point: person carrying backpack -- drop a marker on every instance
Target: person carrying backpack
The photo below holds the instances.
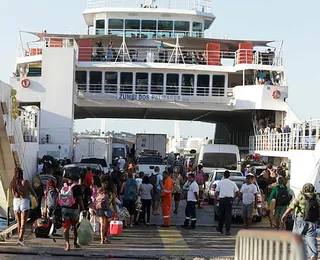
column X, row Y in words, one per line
column 306, row 208
column 156, row 180
column 70, row 200
column 130, row 191
column 282, row 196
column 200, row 180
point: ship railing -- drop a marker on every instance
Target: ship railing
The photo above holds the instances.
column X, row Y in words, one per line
column 172, row 55
column 35, row 48
column 199, row 5
column 29, row 125
column 153, row 92
column 282, row 142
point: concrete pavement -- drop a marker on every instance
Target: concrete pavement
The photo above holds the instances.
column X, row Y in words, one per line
column 139, row 242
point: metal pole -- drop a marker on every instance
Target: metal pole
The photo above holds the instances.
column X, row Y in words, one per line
column 243, row 78
column 8, row 207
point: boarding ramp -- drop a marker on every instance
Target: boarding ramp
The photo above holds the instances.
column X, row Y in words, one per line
column 269, row 245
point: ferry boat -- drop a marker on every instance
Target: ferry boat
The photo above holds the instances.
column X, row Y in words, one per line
column 154, row 62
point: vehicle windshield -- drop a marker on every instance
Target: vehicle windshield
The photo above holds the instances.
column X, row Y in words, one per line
column 240, row 182
column 150, row 160
column 219, row 175
column 102, row 162
column 220, row 160
column 117, row 152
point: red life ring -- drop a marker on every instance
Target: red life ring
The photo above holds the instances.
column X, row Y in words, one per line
column 276, row 94
column 25, row 83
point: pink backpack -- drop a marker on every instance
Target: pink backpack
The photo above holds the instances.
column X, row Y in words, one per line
column 66, row 198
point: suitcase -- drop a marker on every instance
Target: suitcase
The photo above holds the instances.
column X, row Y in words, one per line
column 41, row 227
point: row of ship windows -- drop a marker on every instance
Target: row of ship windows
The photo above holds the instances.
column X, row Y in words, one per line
column 161, row 26
column 160, row 83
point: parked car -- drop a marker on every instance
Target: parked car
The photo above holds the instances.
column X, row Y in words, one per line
column 237, row 207
column 77, row 168
column 212, row 181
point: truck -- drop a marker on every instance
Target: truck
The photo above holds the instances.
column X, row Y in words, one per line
column 147, row 164
column 156, row 142
column 93, row 149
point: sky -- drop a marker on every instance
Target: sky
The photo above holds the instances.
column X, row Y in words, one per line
column 295, row 22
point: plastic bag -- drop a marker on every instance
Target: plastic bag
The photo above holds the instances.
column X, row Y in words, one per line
column 85, row 232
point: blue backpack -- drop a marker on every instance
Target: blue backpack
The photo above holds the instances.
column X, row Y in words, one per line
column 131, row 190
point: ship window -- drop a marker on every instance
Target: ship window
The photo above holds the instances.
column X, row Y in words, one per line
column 218, row 82
column 157, row 83
column 187, row 85
column 197, row 29
column 132, row 28
column 133, row 24
column 203, row 85
column 126, row 82
column 81, row 80
column 95, row 82
column 100, row 27
column 181, row 28
column 116, row 27
column 142, row 83
column 111, row 82
column 116, row 24
column 165, row 28
column 149, row 28
column 172, row 84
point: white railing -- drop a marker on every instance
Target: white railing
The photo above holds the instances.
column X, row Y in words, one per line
column 199, row 5
column 152, row 93
column 302, row 136
column 269, row 245
column 169, row 55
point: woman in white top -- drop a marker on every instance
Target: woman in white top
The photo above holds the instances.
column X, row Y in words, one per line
column 146, row 190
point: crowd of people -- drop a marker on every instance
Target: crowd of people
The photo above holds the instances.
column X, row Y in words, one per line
column 127, row 195
column 132, row 196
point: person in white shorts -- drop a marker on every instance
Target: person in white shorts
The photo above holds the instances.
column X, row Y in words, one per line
column 248, row 195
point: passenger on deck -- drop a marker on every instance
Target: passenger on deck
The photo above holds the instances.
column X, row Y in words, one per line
column 110, row 52
column 161, row 51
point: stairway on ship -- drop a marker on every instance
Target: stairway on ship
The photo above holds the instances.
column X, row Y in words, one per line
column 13, row 149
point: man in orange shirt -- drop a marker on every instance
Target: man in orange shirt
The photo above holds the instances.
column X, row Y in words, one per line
column 166, row 198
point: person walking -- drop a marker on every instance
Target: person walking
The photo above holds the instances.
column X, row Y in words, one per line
column 177, row 182
column 282, row 197
column 156, row 180
column 20, row 189
column 166, row 198
column 200, row 179
column 70, row 200
column 192, row 199
column 248, row 197
column 130, row 191
column 306, row 210
column 225, row 194
column 146, row 190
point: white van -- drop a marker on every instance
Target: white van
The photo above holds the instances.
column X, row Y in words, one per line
column 119, row 149
column 219, row 156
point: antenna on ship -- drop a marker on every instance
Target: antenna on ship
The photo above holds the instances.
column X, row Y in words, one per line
column 149, row 3
column 123, row 49
column 177, row 52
